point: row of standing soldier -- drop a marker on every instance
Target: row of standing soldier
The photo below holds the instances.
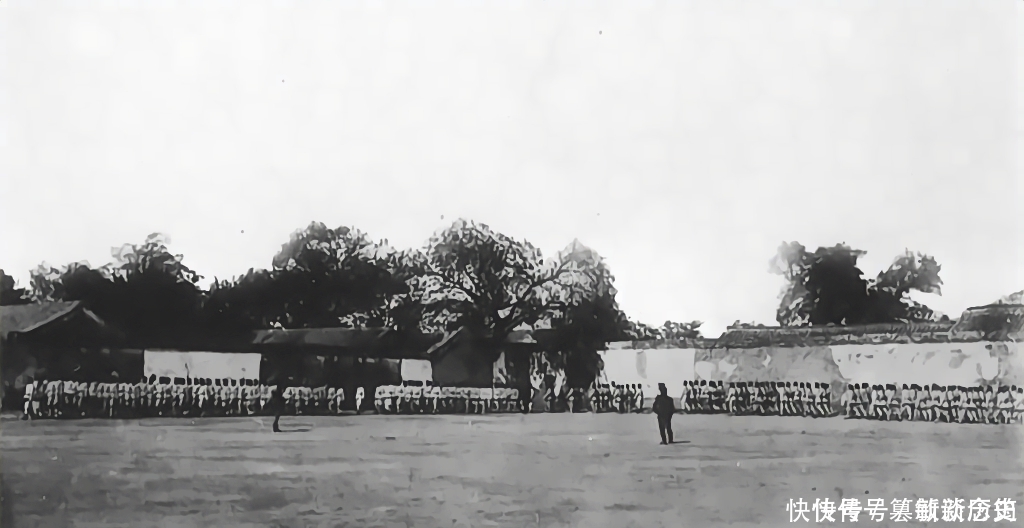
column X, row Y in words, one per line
column 414, row 399
column 935, row 403
column 612, row 397
column 74, row 399
column 71, row 399
column 124, row 400
column 761, row 398
column 432, row 399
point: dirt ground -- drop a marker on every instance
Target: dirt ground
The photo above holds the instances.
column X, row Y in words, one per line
column 507, row 470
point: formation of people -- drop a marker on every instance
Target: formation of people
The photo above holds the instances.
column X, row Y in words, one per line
column 200, row 397
column 432, row 399
column 604, row 398
column 205, row 397
column 760, row 398
column 989, row 404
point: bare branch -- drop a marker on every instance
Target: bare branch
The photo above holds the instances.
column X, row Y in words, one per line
column 434, row 272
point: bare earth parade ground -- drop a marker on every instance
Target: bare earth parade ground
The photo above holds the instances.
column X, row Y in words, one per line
column 501, row 470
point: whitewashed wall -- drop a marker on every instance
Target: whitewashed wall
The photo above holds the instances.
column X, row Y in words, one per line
column 416, row 370
column 213, row 365
column 671, row 366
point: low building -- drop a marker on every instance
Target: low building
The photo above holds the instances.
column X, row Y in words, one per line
column 60, row 340
column 461, row 359
column 341, row 356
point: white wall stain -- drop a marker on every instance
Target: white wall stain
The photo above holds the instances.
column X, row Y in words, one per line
column 921, row 363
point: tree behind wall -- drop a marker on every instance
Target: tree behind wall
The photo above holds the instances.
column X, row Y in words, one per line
column 668, row 330
column 588, row 321
column 147, row 291
column 828, row 287
column 338, row 277
column 10, row 293
column 475, row 278
column 321, row 278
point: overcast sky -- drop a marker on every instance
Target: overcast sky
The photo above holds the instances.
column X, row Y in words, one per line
column 684, row 141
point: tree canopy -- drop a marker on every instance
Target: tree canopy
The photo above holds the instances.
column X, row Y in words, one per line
column 467, row 276
column 827, row 287
column 587, row 321
column 146, row 290
column 321, row 277
column 10, row 293
column 470, row 276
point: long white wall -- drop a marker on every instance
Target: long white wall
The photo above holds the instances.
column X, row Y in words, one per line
column 213, row 365
column 968, row 363
column 671, row 366
column 965, row 364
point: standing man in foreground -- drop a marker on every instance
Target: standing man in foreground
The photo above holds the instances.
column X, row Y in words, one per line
column 664, row 409
column 277, row 403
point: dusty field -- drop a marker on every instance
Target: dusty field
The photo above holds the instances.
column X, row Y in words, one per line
column 515, row 471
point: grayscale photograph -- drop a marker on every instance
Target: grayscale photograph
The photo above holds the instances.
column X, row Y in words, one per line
column 511, row 263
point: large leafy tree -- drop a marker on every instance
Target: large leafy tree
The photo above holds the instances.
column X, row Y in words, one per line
column 587, row 321
column 592, row 317
column 322, row 277
column 412, row 308
column 73, row 282
column 256, row 300
column 338, row 277
column 473, row 277
column 888, row 293
column 10, row 293
column 147, row 291
column 827, row 287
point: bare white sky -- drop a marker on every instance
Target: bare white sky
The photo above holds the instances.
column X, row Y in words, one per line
column 684, row 141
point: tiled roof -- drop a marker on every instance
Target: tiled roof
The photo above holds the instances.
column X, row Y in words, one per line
column 538, row 338
column 977, row 324
column 24, row 318
column 996, row 322
column 648, row 344
column 322, row 337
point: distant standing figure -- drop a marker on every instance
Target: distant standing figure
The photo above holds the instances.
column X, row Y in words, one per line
column 664, row 409
column 277, row 403
column 360, row 394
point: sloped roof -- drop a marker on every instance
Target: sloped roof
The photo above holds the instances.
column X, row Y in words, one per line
column 528, row 338
column 648, row 344
column 25, row 318
column 441, row 346
column 322, row 337
column 761, row 337
column 997, row 322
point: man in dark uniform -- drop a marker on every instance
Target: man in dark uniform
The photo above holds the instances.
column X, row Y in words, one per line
column 664, row 409
column 714, row 397
column 277, row 403
column 742, row 398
